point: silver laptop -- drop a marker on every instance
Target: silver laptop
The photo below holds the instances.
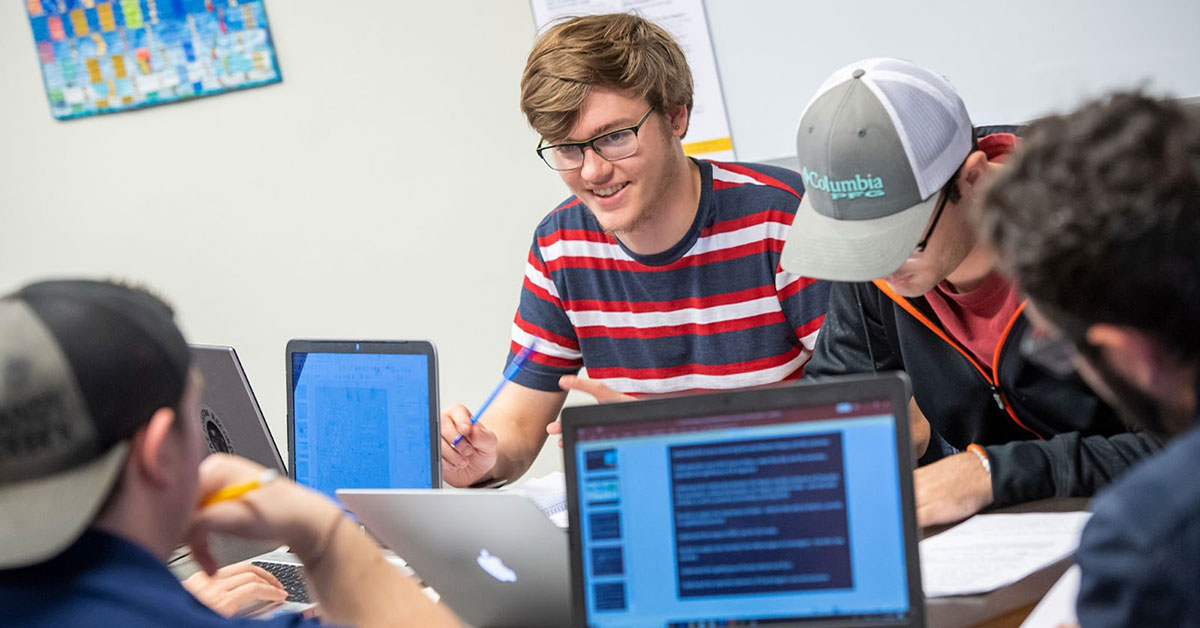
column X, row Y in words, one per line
column 788, row 506
column 493, row 557
column 233, row 423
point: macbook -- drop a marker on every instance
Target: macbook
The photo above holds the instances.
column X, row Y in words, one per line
column 494, row 557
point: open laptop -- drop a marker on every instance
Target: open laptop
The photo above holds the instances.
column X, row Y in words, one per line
column 363, row 414
column 787, row 506
column 233, row 423
column 492, row 556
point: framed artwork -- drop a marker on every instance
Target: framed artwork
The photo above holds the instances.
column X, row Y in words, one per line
column 116, row 55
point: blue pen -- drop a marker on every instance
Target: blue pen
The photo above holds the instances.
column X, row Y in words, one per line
column 510, row 372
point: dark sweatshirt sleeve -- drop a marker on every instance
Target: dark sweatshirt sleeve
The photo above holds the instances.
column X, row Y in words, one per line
column 848, row 341
column 1079, row 466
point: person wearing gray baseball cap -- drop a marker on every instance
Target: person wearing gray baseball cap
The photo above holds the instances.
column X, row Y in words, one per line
column 891, row 163
column 102, row 474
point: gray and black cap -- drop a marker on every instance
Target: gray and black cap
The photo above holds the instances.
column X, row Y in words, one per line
column 83, row 366
column 876, row 144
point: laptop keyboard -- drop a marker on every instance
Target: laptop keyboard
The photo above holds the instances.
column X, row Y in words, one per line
column 291, row 577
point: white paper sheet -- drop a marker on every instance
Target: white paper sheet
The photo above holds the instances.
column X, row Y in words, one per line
column 708, row 131
column 1058, row 607
column 549, row 492
column 987, row 552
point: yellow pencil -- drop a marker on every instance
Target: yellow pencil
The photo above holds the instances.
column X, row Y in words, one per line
column 237, row 490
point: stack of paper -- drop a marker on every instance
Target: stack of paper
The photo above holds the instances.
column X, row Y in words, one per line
column 991, row 551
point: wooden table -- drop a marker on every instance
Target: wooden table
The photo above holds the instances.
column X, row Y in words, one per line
column 1009, row 606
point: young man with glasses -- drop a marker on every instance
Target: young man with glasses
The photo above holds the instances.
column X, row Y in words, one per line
column 660, row 274
column 891, row 163
column 1097, row 219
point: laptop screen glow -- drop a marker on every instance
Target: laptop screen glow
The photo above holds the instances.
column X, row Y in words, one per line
column 743, row 519
column 361, row 420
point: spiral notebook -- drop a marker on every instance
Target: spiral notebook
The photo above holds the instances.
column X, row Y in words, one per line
column 549, row 492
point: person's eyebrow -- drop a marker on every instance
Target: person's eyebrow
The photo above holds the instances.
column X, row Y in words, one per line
column 619, row 123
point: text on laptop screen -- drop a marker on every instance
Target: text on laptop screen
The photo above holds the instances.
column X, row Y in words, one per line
column 759, row 517
column 361, row 420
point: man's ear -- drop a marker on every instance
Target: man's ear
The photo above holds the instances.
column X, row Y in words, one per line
column 974, row 167
column 1129, row 352
column 153, row 448
column 678, row 117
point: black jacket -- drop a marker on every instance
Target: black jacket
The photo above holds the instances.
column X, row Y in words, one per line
column 1044, row 436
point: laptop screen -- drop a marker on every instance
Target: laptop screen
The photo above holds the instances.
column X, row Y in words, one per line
column 738, row 519
column 361, row 420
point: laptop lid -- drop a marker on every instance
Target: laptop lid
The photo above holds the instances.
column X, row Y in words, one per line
column 230, row 416
column 493, row 556
column 787, row 506
column 232, row 422
column 363, row 414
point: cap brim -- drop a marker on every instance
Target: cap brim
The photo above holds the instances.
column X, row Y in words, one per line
column 853, row 250
column 42, row 517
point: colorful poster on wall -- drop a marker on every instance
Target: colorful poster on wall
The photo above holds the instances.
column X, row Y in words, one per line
column 107, row 56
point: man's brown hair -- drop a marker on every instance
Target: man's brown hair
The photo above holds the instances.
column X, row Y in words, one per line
column 616, row 50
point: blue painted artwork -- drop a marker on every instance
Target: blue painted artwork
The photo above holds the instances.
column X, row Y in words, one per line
column 103, row 57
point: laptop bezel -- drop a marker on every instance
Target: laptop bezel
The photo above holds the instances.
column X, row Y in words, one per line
column 892, row 386
column 369, row 347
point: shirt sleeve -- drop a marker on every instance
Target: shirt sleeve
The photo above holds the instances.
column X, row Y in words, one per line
column 1125, row 581
column 804, row 302
column 542, row 317
column 852, row 338
column 1077, row 465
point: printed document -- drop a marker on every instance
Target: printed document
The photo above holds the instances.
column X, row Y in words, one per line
column 988, row 552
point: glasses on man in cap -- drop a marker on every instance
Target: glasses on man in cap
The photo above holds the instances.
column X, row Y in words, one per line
column 611, row 146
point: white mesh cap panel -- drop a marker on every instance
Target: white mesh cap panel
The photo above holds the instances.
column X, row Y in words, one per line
column 929, row 117
column 930, row 131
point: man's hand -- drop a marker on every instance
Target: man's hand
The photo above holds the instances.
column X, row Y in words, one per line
column 277, row 511
column 474, row 456
column 920, row 429
column 602, row 394
column 234, row 586
column 951, row 489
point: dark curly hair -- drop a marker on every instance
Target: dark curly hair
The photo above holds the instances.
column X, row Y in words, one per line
column 1098, row 217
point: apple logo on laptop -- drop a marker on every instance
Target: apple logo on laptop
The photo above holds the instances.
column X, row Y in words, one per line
column 495, row 567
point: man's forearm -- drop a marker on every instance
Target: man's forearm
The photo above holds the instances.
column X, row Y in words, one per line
column 357, row 586
column 513, row 458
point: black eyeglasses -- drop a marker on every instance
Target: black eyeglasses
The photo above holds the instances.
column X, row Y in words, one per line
column 611, row 146
column 936, row 214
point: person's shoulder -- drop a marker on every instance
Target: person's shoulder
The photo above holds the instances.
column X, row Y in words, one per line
column 1156, row 501
column 758, row 179
column 569, row 215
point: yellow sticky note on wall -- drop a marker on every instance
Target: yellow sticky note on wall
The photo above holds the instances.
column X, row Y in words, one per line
column 104, row 12
column 93, row 66
column 79, row 23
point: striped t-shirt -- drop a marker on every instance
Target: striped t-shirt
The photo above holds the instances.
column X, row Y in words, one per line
column 715, row 311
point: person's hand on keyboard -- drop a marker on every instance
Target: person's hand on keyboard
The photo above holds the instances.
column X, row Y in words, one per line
column 235, row 586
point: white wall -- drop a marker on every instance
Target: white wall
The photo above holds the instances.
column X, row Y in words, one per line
column 1011, row 61
column 387, row 188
